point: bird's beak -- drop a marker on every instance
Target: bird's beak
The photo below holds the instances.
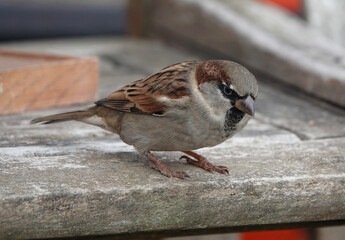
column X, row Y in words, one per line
column 246, row 105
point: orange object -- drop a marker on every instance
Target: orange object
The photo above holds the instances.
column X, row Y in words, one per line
column 33, row 81
column 292, row 5
column 294, row 234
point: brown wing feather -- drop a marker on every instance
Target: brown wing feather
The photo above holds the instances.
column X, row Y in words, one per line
column 142, row 96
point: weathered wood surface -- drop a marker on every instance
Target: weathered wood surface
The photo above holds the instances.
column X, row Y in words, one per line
column 265, row 38
column 70, row 179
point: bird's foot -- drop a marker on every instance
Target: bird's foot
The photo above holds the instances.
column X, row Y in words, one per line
column 156, row 164
column 203, row 163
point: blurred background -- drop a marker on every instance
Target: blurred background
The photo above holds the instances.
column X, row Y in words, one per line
column 314, row 27
column 33, row 19
column 37, row 19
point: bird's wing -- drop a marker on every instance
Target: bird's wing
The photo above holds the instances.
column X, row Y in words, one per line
column 150, row 95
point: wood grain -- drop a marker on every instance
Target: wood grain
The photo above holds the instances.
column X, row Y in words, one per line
column 35, row 81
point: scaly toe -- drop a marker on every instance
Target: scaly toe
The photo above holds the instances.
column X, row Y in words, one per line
column 176, row 174
column 222, row 169
column 180, row 174
column 206, row 165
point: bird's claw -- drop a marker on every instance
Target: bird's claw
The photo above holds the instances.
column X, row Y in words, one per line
column 203, row 163
column 176, row 174
column 179, row 174
column 164, row 170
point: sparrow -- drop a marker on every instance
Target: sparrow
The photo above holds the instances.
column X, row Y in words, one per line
column 183, row 107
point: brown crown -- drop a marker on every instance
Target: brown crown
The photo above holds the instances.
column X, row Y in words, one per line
column 212, row 70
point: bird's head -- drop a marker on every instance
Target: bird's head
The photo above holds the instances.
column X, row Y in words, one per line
column 226, row 84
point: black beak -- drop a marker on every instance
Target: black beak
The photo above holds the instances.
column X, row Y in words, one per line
column 246, row 105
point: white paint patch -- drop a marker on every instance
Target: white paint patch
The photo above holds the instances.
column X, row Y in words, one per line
column 39, row 190
column 27, row 151
column 112, row 146
column 61, row 157
column 73, row 166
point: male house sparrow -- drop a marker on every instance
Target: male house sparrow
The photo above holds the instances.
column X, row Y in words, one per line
column 182, row 107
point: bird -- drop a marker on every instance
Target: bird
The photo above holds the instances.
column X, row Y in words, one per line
column 183, row 107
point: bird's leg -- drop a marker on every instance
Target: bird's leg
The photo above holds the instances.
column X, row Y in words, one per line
column 203, row 163
column 155, row 163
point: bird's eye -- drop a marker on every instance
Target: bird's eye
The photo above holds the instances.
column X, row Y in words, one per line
column 227, row 90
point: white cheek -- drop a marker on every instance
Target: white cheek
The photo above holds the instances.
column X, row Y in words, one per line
column 214, row 97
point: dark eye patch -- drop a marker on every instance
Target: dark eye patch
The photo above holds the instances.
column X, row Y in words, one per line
column 228, row 92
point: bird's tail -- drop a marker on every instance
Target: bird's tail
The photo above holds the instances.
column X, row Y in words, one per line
column 75, row 115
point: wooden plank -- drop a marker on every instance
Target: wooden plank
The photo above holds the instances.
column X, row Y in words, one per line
column 31, row 81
